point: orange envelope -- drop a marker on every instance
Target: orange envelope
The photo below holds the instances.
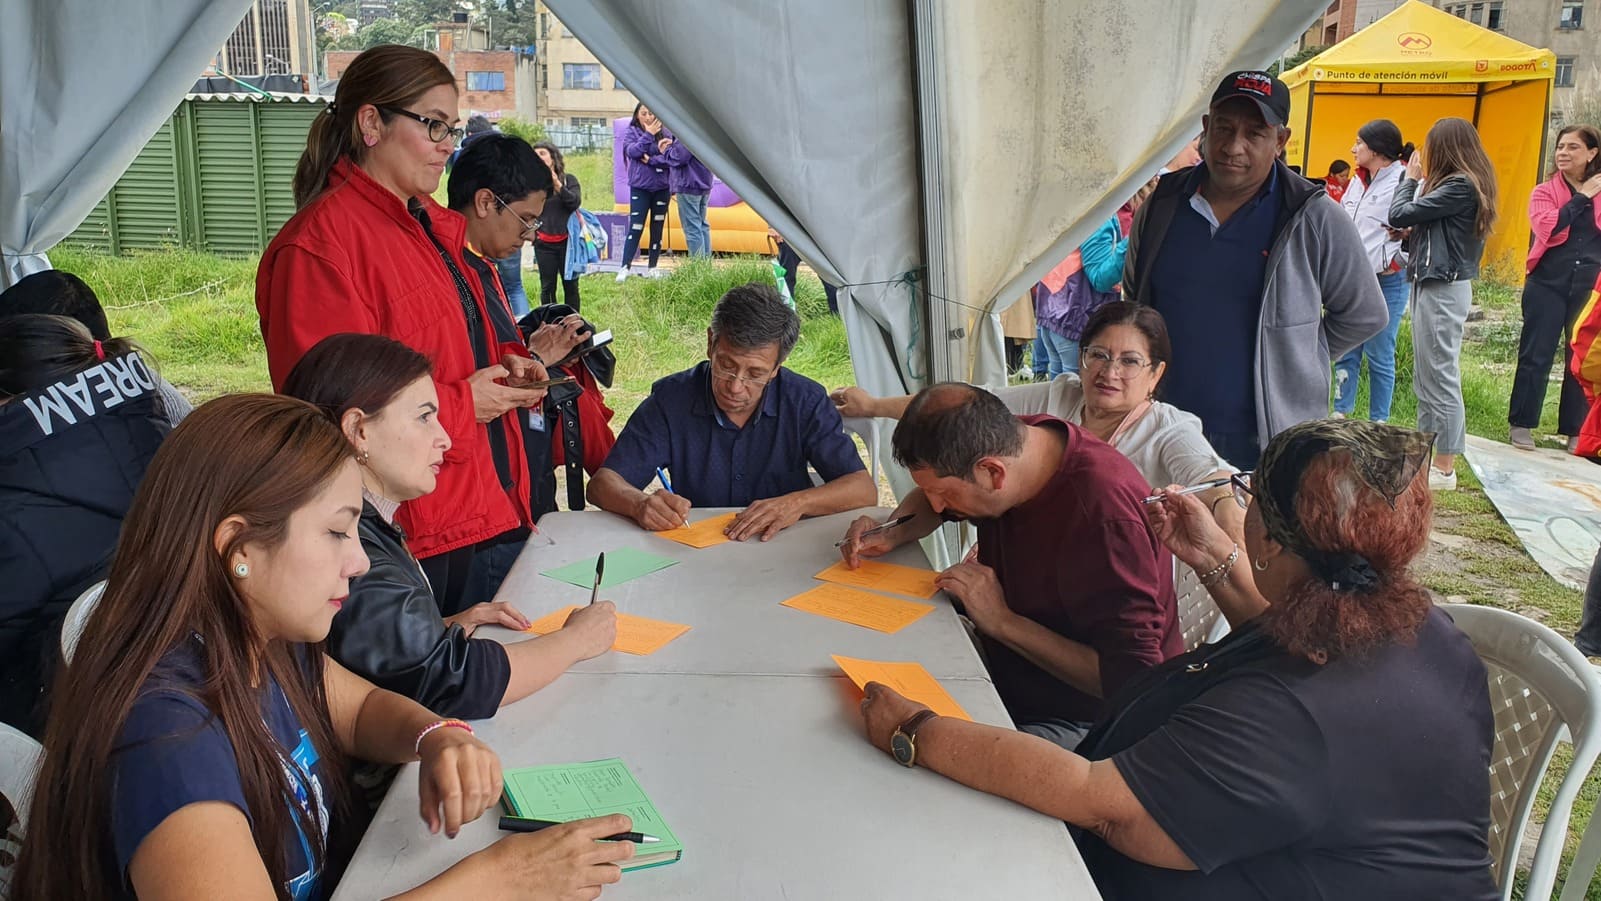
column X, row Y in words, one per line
column 860, row 608
column 891, row 577
column 635, row 634
column 910, row 679
column 701, row 534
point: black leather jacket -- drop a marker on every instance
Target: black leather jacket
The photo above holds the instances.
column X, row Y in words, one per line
column 1444, row 244
column 390, row 631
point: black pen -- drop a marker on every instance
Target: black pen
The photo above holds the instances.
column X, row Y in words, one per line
column 600, row 568
column 898, row 521
column 523, row 824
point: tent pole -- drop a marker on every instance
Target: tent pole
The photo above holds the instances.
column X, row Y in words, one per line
column 926, row 105
column 1306, row 131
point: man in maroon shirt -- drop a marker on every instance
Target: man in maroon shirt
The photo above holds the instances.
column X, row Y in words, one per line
column 1071, row 593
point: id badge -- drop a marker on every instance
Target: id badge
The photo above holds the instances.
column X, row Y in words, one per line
column 536, row 420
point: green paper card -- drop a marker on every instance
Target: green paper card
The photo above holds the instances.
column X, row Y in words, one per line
column 574, row 791
column 623, row 564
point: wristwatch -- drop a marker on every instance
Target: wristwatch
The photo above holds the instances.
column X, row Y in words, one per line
column 903, row 744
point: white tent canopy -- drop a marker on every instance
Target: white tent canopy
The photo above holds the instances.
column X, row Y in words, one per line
column 83, row 85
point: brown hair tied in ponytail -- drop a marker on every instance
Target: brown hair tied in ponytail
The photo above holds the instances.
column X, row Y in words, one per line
column 385, row 75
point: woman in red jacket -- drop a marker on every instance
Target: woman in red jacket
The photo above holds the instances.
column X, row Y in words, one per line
column 371, row 252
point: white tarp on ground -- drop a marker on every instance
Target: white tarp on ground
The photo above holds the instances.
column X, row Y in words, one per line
column 83, row 85
column 1551, row 499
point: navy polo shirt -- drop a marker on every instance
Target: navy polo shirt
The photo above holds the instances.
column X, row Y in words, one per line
column 680, row 429
column 1209, row 289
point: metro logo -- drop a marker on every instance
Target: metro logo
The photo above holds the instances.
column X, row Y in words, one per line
column 1414, row 40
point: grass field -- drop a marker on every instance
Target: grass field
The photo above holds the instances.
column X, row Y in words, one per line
column 195, row 314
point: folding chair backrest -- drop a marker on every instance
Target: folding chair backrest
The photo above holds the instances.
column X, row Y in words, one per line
column 77, row 616
column 20, row 757
column 1539, row 684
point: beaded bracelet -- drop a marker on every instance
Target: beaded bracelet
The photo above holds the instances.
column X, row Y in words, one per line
column 439, row 724
column 1217, row 573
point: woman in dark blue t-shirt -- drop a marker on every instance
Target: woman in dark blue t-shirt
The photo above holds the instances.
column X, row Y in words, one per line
column 196, row 745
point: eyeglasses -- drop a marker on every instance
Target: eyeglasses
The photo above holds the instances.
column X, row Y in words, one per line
column 1241, row 483
column 730, row 374
column 529, row 228
column 437, row 130
column 1125, row 365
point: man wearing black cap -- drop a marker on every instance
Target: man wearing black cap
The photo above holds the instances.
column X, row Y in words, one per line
column 1261, row 277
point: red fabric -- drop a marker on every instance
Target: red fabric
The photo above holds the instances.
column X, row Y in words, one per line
column 1545, row 202
column 593, row 423
column 1586, row 367
column 1079, row 559
column 354, row 260
column 1335, row 187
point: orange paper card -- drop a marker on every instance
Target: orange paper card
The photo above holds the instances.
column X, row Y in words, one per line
column 891, row 577
column 910, row 679
column 701, row 534
column 859, row 608
column 635, row 634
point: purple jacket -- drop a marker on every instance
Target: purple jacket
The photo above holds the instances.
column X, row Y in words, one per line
column 647, row 169
column 686, row 174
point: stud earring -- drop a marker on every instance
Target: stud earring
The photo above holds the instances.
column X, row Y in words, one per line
column 241, row 570
column 366, row 455
column 369, row 140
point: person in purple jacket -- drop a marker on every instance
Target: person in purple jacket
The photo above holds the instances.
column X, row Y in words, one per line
column 644, row 147
column 689, row 178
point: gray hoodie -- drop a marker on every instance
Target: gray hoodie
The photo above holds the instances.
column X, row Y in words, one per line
column 1320, row 298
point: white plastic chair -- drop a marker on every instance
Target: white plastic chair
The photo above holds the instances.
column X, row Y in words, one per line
column 77, row 616
column 1539, row 685
column 1200, row 620
column 20, row 757
column 867, row 428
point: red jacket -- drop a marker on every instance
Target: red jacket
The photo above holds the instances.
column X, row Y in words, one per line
column 355, row 260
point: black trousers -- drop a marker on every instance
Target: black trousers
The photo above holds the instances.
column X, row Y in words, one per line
column 447, row 573
column 1588, row 638
column 1551, row 302
column 552, row 261
column 643, row 205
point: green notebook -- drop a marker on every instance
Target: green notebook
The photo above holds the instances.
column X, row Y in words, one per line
column 622, row 564
column 574, row 791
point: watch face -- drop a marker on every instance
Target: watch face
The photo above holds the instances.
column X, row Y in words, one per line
column 902, row 748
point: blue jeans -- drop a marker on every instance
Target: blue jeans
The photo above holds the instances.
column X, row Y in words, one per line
column 511, row 279
column 1060, row 350
column 1380, row 351
column 692, row 215
column 1039, row 359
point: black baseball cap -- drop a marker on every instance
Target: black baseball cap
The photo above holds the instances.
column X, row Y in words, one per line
column 1268, row 93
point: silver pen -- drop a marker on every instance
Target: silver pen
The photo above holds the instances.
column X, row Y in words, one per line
column 1193, row 489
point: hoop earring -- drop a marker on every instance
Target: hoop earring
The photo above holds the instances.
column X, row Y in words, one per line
column 240, row 570
column 1261, row 565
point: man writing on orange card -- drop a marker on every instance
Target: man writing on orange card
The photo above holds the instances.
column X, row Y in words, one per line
column 1071, row 594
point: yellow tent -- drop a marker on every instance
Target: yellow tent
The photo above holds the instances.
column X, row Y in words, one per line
column 1418, row 65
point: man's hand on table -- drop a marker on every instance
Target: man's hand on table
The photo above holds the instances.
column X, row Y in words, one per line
column 976, row 586
column 766, row 518
column 489, row 613
column 662, row 510
column 856, row 547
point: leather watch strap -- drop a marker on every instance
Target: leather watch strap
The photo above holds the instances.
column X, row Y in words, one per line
column 915, row 722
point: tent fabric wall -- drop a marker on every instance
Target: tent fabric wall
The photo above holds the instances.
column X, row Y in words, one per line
column 1512, row 122
column 68, row 128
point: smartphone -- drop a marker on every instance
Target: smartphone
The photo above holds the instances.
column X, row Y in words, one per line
column 598, row 340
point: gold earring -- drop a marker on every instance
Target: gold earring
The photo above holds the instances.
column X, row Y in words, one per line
column 365, row 456
column 1261, row 565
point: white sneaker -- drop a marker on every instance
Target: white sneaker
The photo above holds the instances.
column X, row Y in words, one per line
column 1441, row 481
column 622, row 275
column 653, row 272
column 1336, row 415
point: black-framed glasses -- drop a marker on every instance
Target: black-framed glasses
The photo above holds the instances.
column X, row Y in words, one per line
column 1241, row 483
column 438, row 130
column 529, row 228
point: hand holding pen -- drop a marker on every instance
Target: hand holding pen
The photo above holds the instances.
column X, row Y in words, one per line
column 867, row 537
column 662, row 510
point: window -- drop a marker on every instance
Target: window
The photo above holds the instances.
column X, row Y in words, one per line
column 486, row 81
column 1476, row 14
column 1460, row 10
column 1564, row 73
column 1572, row 14
column 580, row 76
column 617, row 84
column 1493, row 22
column 587, row 122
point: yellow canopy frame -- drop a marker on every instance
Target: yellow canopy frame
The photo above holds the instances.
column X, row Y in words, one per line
column 1416, row 66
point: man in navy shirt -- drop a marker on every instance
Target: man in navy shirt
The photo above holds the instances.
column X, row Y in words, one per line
column 737, row 430
column 1261, row 277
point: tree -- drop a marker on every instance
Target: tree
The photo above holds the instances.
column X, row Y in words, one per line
column 384, row 31
column 1295, row 59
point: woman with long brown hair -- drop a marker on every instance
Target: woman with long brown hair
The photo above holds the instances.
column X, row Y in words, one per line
column 1450, row 218
column 1282, row 762
column 1562, row 267
column 196, row 744
column 371, row 252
